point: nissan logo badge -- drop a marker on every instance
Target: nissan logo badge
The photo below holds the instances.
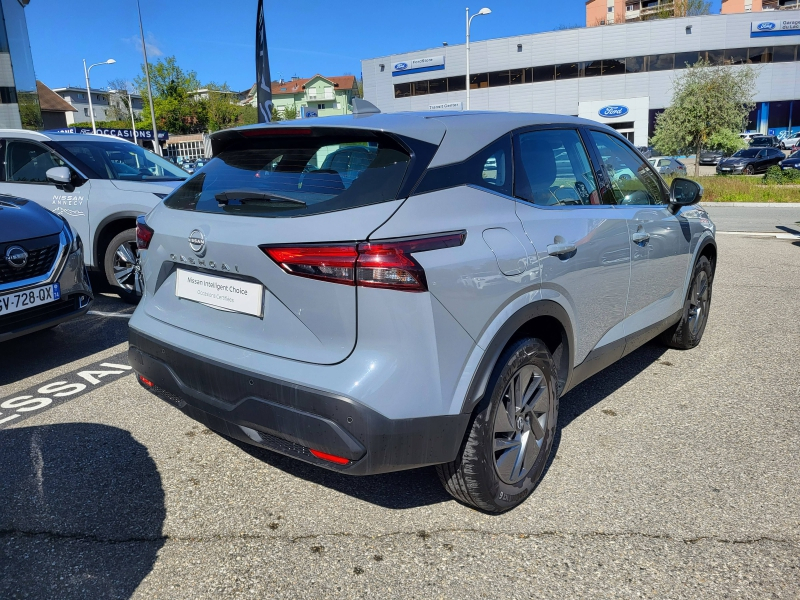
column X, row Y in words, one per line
column 197, row 241
column 16, row 257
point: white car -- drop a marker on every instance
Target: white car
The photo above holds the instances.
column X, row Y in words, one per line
column 668, row 166
column 98, row 183
column 789, row 142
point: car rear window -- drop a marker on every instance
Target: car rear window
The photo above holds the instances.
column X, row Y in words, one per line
column 287, row 174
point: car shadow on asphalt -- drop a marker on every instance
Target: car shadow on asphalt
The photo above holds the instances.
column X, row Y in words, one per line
column 44, row 350
column 421, row 487
column 82, row 512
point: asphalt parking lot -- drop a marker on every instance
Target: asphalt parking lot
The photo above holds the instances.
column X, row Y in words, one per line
column 677, row 475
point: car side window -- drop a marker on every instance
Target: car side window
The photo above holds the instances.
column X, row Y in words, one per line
column 553, row 169
column 632, row 180
column 27, row 162
column 489, row 168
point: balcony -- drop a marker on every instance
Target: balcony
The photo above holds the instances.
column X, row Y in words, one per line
column 655, row 9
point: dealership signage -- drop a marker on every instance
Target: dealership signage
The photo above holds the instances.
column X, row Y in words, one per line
column 418, row 65
column 141, row 134
column 778, row 27
column 613, row 111
column 447, row 106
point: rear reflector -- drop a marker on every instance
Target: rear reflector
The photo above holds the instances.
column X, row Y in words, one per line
column 145, row 381
column 329, row 457
column 143, row 233
column 383, row 264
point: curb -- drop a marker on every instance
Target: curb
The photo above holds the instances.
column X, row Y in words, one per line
column 707, row 205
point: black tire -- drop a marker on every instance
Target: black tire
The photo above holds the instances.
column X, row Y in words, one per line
column 749, row 170
column 126, row 287
column 474, row 477
column 688, row 332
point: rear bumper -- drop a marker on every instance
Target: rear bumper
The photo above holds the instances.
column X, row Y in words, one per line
column 290, row 418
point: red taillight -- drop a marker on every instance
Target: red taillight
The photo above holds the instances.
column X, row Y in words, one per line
column 384, row 264
column 328, row 263
column 329, row 457
column 143, row 234
column 146, row 381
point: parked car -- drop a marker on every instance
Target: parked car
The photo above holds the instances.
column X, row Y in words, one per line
column 788, row 143
column 765, row 141
column 668, row 167
column 188, row 167
column 747, row 137
column 791, row 162
column 750, row 161
column 647, row 151
column 43, row 281
column 100, row 184
column 401, row 321
column 711, row 157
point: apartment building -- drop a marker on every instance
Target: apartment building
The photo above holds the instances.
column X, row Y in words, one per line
column 105, row 104
column 317, row 96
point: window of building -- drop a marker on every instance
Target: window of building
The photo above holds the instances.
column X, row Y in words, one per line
column 437, row 86
column 611, row 9
column 478, row 80
column 402, row 90
column 568, row 70
column 498, row 78
column 85, row 112
column 420, row 88
column 636, row 64
column 552, row 169
column 81, row 96
column 686, row 59
column 759, row 55
column 593, row 68
column 783, row 53
column 312, row 93
column 320, row 106
column 661, row 62
column 516, row 76
column 457, row 84
column 716, row 57
column 547, row 73
column 614, row 66
column 735, row 56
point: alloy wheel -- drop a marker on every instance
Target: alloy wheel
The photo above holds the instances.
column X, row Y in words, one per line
column 126, row 266
column 698, row 302
column 520, row 423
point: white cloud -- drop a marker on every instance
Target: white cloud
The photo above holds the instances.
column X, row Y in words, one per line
column 151, row 44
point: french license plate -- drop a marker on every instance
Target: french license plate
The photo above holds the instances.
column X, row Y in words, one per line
column 724, row 169
column 16, row 301
column 220, row 292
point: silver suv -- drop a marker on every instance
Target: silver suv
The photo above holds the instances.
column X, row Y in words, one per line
column 426, row 306
column 98, row 183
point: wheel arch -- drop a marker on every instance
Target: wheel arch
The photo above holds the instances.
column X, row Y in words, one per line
column 107, row 229
column 708, row 248
column 544, row 319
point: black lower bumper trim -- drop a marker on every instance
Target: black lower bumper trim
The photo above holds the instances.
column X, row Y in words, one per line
column 292, row 419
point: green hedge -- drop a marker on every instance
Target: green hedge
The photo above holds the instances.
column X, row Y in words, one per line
column 777, row 176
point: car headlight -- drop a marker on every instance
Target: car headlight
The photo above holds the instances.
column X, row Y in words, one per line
column 73, row 239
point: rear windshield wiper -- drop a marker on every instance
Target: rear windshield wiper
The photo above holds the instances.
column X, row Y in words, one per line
column 245, row 196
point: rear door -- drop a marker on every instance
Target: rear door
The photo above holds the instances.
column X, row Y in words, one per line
column 270, row 192
column 582, row 243
column 25, row 176
column 659, row 239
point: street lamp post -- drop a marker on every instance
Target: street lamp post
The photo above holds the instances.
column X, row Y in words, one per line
column 483, row 11
column 110, row 61
column 156, row 145
column 133, row 118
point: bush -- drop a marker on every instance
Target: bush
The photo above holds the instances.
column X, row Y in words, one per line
column 777, row 176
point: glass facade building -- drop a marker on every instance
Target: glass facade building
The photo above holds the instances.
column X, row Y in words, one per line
column 19, row 101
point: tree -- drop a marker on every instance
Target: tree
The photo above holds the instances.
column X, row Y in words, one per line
column 119, row 102
column 726, row 140
column 177, row 106
column 276, row 116
column 692, row 8
column 290, row 112
column 247, row 116
column 220, row 106
column 706, row 100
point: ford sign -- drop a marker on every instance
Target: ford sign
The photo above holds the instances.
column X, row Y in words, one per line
column 766, row 26
column 612, row 111
column 401, row 66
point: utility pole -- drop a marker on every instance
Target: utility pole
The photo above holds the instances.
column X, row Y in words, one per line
column 156, row 145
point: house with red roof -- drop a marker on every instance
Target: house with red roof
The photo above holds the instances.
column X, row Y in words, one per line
column 317, row 96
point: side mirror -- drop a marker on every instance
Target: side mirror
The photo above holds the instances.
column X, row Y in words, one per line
column 684, row 192
column 61, row 177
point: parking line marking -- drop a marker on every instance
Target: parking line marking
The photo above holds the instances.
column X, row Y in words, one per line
column 100, row 313
column 779, row 235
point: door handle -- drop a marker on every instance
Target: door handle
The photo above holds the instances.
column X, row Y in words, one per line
column 640, row 237
column 559, row 249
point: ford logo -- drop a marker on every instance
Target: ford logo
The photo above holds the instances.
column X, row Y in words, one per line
column 768, row 26
column 614, row 110
column 401, row 66
column 16, row 257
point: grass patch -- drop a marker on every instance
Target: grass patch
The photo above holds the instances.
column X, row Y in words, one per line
column 739, row 188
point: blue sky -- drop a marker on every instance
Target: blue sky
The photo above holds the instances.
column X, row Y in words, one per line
column 217, row 39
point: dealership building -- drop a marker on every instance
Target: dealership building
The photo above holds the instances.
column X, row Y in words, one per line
column 620, row 75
